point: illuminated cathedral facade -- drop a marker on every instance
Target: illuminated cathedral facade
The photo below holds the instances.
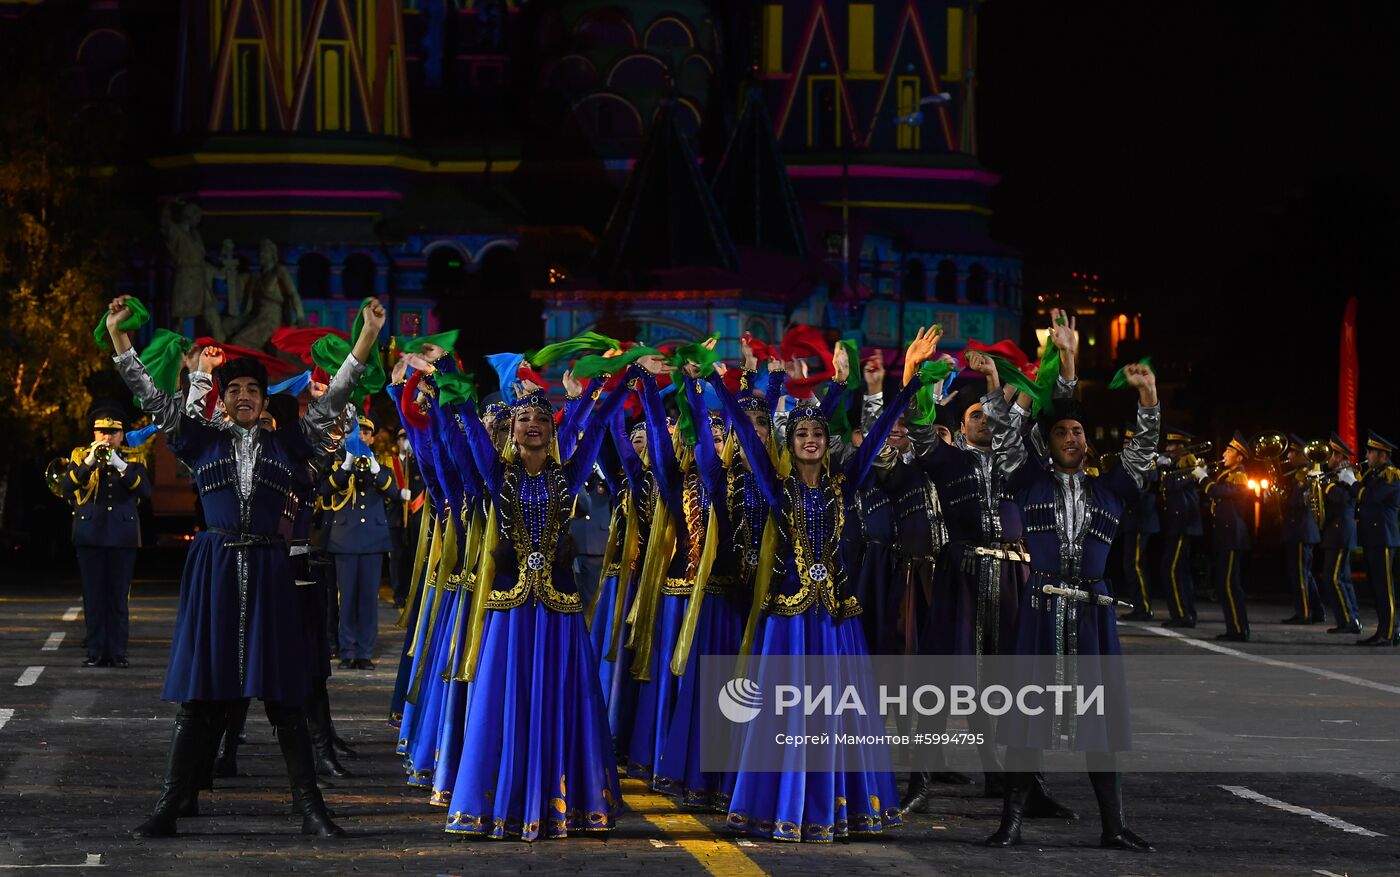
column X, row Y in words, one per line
column 658, row 169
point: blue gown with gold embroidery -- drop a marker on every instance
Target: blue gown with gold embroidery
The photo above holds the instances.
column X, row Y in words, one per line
column 811, row 611
column 536, row 756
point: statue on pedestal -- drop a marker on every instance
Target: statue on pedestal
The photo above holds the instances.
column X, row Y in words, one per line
column 191, row 293
column 267, row 301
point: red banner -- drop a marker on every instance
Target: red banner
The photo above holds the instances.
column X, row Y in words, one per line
column 1348, row 377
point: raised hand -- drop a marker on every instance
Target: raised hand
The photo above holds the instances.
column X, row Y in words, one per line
column 374, row 317
column 400, row 371
column 1063, row 333
column 750, row 360
column 1141, row 378
column 210, row 358
column 418, row 363
column 117, row 311
column 840, row 364
column 874, row 372
column 572, row 388
column 775, row 364
column 981, row 363
column 654, row 364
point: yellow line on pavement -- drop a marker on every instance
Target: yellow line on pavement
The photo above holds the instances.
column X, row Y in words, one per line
column 719, row 856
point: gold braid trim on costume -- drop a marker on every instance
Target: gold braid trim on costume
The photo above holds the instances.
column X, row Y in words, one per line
column 631, row 541
column 426, row 525
column 485, row 575
column 85, row 492
column 471, row 554
column 697, row 594
column 660, row 549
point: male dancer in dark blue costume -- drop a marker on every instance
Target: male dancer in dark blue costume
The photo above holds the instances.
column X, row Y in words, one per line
column 240, row 630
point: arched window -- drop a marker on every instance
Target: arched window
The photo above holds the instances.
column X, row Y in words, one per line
column 913, row 281
column 357, row 278
column 945, row 285
column 977, row 285
column 447, row 273
column 314, row 276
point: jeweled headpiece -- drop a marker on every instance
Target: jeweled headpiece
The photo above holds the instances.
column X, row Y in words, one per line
column 535, row 400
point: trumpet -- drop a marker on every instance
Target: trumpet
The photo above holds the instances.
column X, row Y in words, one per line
column 102, row 454
column 54, row 474
column 361, row 465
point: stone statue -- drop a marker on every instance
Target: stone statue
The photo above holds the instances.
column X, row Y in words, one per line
column 271, row 301
column 191, row 293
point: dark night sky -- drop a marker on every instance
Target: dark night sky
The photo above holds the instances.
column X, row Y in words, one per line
column 1231, row 166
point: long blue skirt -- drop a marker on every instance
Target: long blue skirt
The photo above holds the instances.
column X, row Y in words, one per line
column 718, row 631
column 420, row 762
column 207, row 639
column 536, row 758
column 619, row 688
column 656, row 699
column 815, row 806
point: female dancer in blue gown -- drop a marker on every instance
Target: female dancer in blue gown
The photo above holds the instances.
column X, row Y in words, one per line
column 536, row 757
column 809, row 611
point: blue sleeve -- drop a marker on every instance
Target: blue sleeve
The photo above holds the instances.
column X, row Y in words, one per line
column 489, row 464
column 858, row 466
column 835, row 396
column 777, row 383
column 707, row 462
column 580, row 463
column 575, row 412
column 664, row 467
column 627, row 455
column 754, row 449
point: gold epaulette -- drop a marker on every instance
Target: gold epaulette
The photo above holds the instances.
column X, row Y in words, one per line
column 1390, row 474
column 1236, row 477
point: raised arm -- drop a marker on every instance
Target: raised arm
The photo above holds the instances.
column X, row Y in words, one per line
column 578, row 402
column 755, row 451
column 323, row 412
column 1139, row 458
column 707, row 462
column 857, row 468
column 660, row 449
column 580, row 463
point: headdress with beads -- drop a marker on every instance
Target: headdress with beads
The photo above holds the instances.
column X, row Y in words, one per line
column 536, row 400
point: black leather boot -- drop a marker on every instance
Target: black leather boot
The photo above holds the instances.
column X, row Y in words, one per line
column 231, row 730
column 1042, row 805
column 1108, row 789
column 916, row 798
column 1013, row 811
column 295, row 742
column 183, row 765
column 318, row 723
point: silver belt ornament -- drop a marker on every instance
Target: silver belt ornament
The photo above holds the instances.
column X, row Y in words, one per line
column 535, row 560
column 817, row 572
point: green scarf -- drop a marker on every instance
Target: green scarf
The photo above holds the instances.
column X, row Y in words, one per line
column 703, row 357
column 454, row 387
column 1120, row 380
column 330, row 351
column 931, row 374
column 592, row 366
column 163, row 357
column 564, row 349
column 139, row 317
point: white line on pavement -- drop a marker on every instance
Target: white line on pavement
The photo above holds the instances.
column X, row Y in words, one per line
column 1330, row 821
column 52, row 643
column 72, row 613
column 94, row 860
column 1326, row 873
column 28, row 677
column 5, row 716
column 1272, row 662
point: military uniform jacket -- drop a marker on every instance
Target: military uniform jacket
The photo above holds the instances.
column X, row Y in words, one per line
column 1141, row 514
column 1232, row 507
column 1181, row 504
column 1378, row 507
column 359, row 524
column 1339, row 516
column 104, row 502
column 1299, row 524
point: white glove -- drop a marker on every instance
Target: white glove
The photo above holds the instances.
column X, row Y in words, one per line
column 1163, row 460
column 349, row 462
column 405, row 494
column 89, row 460
column 373, row 466
column 1199, row 473
column 118, row 463
column 1347, row 477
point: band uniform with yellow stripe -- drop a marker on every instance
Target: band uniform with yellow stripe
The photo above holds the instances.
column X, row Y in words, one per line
column 103, row 489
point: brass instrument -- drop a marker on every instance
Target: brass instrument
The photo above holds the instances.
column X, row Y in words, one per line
column 1108, row 462
column 1269, row 448
column 102, row 454
column 361, row 465
column 54, row 473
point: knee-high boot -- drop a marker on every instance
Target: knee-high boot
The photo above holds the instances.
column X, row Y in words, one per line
column 232, row 733
column 183, row 768
column 295, row 742
column 1013, row 810
column 1108, row 789
column 318, row 722
column 1044, row 806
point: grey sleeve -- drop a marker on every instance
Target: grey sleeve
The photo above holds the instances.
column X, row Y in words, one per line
column 1140, row 455
column 1008, row 447
column 870, row 410
column 163, row 408
column 201, row 385
column 323, row 413
column 1064, row 388
column 924, row 438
